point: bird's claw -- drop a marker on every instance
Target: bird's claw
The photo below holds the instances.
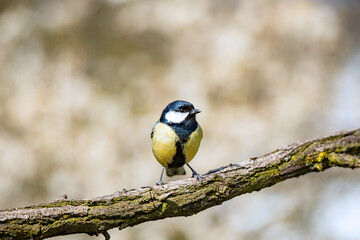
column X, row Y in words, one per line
column 159, row 183
column 198, row 176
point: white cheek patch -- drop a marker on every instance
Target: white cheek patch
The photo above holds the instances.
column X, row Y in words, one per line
column 176, row 117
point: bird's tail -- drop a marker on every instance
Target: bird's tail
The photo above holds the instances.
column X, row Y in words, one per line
column 175, row 171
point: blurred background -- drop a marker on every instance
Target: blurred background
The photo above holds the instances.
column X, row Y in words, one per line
column 83, row 82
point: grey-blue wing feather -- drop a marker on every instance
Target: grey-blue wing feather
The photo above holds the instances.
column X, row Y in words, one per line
column 152, row 130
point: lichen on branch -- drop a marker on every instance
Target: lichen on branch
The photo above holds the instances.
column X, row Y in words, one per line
column 179, row 198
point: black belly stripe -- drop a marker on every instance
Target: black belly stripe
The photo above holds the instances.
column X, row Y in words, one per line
column 179, row 158
column 183, row 130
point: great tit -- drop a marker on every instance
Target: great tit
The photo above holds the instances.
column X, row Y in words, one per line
column 176, row 138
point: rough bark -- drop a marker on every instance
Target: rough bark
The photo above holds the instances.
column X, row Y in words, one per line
column 179, row 198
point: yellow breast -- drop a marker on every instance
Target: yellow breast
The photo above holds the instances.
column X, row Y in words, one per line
column 164, row 143
column 192, row 145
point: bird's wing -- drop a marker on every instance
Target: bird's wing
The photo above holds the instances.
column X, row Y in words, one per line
column 152, row 130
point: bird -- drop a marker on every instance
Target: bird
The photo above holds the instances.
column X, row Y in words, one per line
column 176, row 138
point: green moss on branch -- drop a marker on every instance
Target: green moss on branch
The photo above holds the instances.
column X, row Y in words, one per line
column 179, row 198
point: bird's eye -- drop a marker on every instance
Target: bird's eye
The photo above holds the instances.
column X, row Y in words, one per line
column 181, row 110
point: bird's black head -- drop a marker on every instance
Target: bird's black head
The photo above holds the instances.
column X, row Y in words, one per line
column 178, row 112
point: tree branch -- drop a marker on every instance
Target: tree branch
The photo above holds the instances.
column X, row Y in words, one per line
column 179, row 198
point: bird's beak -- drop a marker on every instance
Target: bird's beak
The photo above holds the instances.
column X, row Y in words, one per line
column 195, row 111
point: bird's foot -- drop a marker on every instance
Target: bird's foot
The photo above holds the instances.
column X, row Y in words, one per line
column 198, row 176
column 195, row 174
column 160, row 182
